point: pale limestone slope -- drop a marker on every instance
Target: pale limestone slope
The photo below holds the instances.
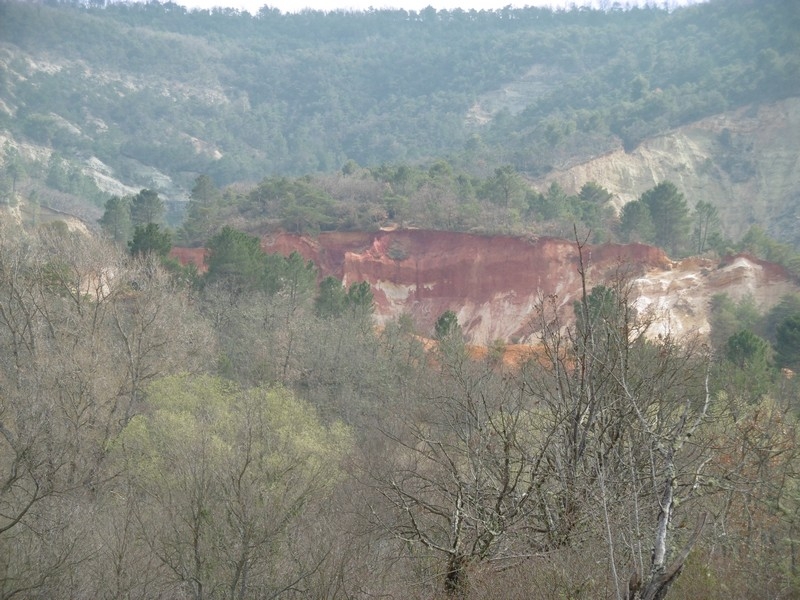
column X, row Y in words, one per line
column 751, row 173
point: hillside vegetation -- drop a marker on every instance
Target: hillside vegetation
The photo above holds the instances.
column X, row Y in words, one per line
column 250, row 433
column 94, row 99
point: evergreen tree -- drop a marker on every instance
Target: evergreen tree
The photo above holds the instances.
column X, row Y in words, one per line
column 747, row 371
column 57, row 173
column 201, row 211
column 787, row 343
column 146, row 207
column 506, row 188
column 601, row 307
column 150, row 239
column 747, row 350
column 298, row 279
column 332, row 298
column 360, row 299
column 706, row 226
column 447, row 326
column 636, row 223
column 14, row 168
column 789, row 305
column 670, row 216
column 116, row 220
column 236, row 257
column 594, row 193
column 552, row 205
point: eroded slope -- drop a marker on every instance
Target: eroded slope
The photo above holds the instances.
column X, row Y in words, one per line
column 495, row 283
column 745, row 162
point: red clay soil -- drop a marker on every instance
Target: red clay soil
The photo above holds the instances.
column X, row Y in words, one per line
column 190, row 256
column 494, row 283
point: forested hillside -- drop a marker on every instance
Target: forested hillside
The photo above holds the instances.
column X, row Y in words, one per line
column 152, row 95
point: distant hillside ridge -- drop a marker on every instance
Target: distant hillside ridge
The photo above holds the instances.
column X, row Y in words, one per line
column 107, row 99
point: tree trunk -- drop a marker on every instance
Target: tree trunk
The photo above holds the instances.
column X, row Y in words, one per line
column 455, row 581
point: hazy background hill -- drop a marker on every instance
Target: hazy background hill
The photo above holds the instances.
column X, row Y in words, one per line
column 98, row 100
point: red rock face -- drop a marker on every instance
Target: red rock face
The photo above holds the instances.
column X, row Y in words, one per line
column 190, row 256
column 495, row 283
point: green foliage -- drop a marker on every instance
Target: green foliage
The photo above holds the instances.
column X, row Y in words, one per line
column 757, row 242
column 146, row 207
column 660, row 217
column 593, row 193
column 788, row 306
column 68, row 178
column 297, row 278
column 332, row 298
column 360, row 301
column 747, row 340
column 297, row 204
column 305, row 208
column 116, row 220
column 57, row 173
column 552, row 205
column 385, row 93
column 636, row 223
column 202, row 211
column 592, row 208
column 600, row 311
column 195, row 485
column 237, row 258
column 307, row 92
column 746, row 373
column 787, row 342
column 506, row 188
column 224, row 475
column 13, row 170
column 186, row 411
column 149, row 239
column 670, row 216
column 746, row 350
column 706, row 233
column 447, row 326
column 727, row 317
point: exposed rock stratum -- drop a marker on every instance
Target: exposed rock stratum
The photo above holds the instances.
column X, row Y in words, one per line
column 744, row 162
column 494, row 284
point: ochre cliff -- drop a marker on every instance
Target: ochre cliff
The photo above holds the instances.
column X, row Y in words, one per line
column 494, row 283
column 193, row 256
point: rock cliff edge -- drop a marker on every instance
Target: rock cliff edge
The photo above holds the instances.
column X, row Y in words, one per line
column 494, row 283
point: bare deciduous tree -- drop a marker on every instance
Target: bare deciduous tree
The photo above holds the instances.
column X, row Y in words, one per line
column 592, row 441
column 627, row 408
column 464, row 467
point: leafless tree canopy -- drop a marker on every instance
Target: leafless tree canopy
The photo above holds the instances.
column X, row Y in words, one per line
column 159, row 440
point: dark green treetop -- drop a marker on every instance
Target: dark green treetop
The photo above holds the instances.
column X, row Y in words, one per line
column 149, row 239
